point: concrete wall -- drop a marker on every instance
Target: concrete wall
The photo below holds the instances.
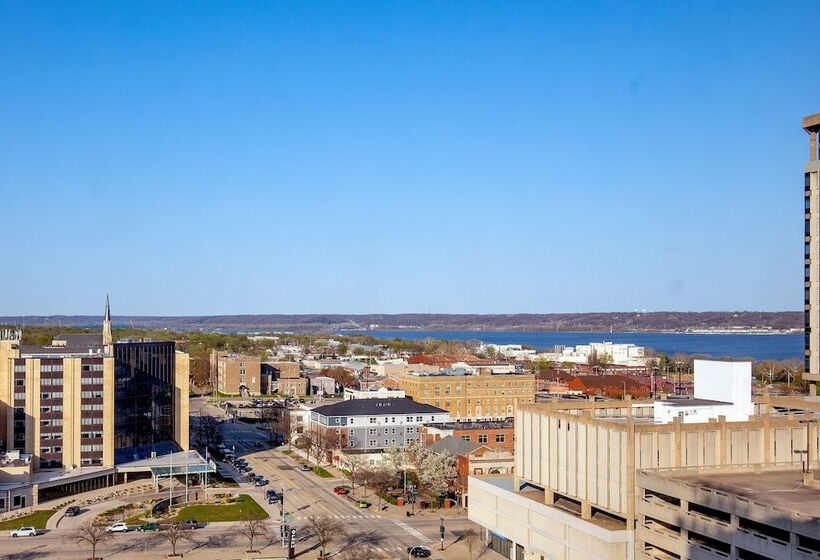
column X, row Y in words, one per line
column 728, row 382
column 543, row 530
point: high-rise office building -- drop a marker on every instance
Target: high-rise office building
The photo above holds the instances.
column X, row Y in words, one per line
column 85, row 400
column 811, row 125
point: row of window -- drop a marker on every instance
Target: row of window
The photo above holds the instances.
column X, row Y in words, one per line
column 92, row 407
column 51, row 367
column 46, row 396
column 92, row 367
column 91, row 435
column 54, row 422
column 49, row 381
column 91, row 380
column 55, row 449
column 482, row 438
column 19, row 396
column 92, row 394
column 53, row 408
column 51, row 435
column 88, row 448
column 91, row 421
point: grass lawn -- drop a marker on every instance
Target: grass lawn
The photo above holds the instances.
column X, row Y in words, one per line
column 37, row 520
column 322, row 472
column 287, row 452
column 243, row 507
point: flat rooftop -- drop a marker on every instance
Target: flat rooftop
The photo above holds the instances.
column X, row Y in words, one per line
column 783, row 490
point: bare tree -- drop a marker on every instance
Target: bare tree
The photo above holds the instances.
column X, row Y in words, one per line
column 359, row 551
column 270, row 416
column 382, row 479
column 91, row 534
column 208, row 430
column 355, row 466
column 175, row 534
column 305, row 443
column 325, row 530
column 253, row 529
column 472, row 540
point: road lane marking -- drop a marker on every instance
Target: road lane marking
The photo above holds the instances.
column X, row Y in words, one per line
column 413, row 531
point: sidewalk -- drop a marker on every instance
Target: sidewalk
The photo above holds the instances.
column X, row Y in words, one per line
column 388, row 510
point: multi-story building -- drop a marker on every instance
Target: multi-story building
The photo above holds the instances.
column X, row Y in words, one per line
column 238, row 374
column 292, row 387
column 477, row 396
column 575, row 492
column 371, row 425
column 811, row 193
column 374, row 393
column 85, row 400
column 473, row 459
column 495, row 434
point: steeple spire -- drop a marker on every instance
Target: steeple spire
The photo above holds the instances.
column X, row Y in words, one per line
column 108, row 338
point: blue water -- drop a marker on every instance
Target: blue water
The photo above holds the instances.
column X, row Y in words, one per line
column 758, row 347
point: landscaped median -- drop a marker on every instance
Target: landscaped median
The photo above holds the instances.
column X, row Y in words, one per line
column 37, row 519
column 322, row 472
column 232, row 508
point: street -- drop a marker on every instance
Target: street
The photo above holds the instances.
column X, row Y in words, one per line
column 389, row 531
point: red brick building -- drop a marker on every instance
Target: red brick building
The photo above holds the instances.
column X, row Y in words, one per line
column 610, row 386
column 493, row 434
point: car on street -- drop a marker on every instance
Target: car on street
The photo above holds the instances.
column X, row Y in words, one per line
column 260, row 482
column 272, row 496
column 73, row 511
column 305, row 468
column 243, row 469
column 342, row 490
column 191, row 524
column 419, row 551
column 118, row 527
column 148, row 526
column 361, row 504
column 24, row 532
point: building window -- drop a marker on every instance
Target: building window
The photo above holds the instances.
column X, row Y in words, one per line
column 499, row 438
column 19, row 382
column 482, row 438
column 465, row 438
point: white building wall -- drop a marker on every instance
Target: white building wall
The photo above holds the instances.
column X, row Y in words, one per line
column 726, row 381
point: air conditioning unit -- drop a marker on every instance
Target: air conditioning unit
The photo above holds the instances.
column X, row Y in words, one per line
column 153, row 454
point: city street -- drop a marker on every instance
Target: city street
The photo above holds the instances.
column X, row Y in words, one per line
column 389, row 531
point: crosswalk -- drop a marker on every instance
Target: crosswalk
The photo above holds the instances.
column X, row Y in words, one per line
column 413, row 531
column 359, row 516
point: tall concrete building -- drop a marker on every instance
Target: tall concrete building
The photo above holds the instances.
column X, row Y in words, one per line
column 811, row 125
column 84, row 400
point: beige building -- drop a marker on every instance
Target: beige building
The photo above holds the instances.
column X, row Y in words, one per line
column 482, row 396
column 576, row 493
column 292, row 387
column 811, row 125
column 238, row 374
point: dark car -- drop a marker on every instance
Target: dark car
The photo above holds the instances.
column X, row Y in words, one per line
column 148, row 526
column 419, row 551
column 305, row 468
column 260, row 482
column 73, row 511
column 257, row 443
column 191, row 524
column 272, row 496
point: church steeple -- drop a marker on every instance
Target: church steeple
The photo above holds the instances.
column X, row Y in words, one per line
column 108, row 338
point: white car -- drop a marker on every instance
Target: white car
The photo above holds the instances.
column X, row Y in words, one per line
column 24, row 532
column 118, row 527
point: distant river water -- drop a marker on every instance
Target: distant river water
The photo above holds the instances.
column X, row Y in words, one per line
column 758, row 347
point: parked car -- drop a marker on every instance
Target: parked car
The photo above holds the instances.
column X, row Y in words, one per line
column 191, row 524
column 118, row 527
column 243, row 469
column 148, row 526
column 342, row 490
column 260, row 482
column 251, row 476
column 305, row 468
column 24, row 532
column 257, row 443
column 361, row 504
column 73, row 511
column 419, row 551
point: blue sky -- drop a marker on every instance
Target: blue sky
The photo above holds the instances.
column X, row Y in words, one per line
column 488, row 157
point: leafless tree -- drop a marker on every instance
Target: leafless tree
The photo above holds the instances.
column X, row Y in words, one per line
column 382, row 479
column 305, row 443
column 253, row 529
column 472, row 540
column 355, row 466
column 175, row 534
column 270, row 416
column 359, row 551
column 325, row 530
column 91, row 534
column 208, row 430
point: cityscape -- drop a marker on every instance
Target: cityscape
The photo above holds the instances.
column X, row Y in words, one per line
column 310, row 364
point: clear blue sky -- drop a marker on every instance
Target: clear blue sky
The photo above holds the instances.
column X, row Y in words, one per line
column 204, row 158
